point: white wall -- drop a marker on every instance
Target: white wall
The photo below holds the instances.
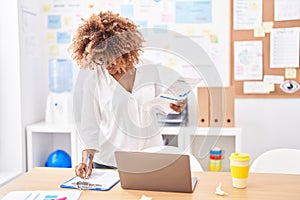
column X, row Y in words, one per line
column 22, row 82
column 267, row 124
column 11, row 143
column 34, row 68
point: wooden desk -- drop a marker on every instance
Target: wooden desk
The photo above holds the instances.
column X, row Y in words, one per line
column 260, row 186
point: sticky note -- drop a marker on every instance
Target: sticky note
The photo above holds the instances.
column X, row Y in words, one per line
column 259, row 32
column 270, row 87
column 67, row 21
column 53, row 50
column 63, row 38
column 54, row 21
column 290, row 73
column 46, row 8
column 268, row 26
column 50, row 37
column 189, row 30
column 213, row 39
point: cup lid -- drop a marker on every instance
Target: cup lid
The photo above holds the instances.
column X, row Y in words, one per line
column 239, row 156
column 216, row 151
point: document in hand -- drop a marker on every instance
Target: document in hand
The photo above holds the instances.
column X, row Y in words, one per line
column 180, row 89
column 100, row 180
column 177, row 92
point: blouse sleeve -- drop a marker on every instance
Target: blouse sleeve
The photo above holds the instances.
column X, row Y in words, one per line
column 90, row 114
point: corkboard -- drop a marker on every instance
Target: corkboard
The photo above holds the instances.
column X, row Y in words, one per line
column 248, row 35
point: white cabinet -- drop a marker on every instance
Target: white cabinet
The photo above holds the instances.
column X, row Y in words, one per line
column 43, row 139
column 199, row 141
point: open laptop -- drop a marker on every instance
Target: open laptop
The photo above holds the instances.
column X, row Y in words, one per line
column 155, row 171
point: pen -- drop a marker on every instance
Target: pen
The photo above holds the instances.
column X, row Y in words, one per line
column 170, row 98
column 87, row 164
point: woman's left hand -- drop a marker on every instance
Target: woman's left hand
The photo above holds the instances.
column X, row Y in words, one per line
column 178, row 106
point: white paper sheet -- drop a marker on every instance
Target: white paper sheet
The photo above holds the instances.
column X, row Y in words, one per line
column 248, row 60
column 256, row 87
column 106, row 179
column 284, row 47
column 286, row 10
column 43, row 195
column 273, row 79
column 247, row 14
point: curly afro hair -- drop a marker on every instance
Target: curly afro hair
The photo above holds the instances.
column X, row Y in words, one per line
column 106, row 39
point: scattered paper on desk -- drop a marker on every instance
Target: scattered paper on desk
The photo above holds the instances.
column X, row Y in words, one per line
column 284, row 47
column 43, row 195
column 145, row 198
column 219, row 191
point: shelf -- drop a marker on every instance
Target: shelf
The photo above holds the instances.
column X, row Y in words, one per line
column 43, row 139
column 43, row 127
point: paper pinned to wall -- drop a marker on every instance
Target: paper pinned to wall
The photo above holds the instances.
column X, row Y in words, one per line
column 255, row 87
column 286, row 10
column 273, row 79
column 248, row 60
column 284, row 47
column 247, row 14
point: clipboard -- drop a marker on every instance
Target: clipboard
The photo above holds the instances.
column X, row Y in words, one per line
column 101, row 180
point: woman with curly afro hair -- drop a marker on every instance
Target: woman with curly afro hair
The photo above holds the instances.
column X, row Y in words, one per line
column 106, row 47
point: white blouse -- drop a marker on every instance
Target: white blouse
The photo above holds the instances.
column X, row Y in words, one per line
column 111, row 118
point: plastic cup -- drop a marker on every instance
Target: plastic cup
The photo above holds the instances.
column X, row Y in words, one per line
column 239, row 167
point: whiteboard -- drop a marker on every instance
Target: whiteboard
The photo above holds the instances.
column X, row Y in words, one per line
column 205, row 22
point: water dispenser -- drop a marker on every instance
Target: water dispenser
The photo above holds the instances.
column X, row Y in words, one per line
column 59, row 101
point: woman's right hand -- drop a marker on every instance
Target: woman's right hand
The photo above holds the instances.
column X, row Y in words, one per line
column 82, row 171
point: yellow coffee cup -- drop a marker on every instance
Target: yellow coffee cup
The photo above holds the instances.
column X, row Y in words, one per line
column 239, row 167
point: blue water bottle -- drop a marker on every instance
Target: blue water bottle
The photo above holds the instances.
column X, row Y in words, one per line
column 60, row 75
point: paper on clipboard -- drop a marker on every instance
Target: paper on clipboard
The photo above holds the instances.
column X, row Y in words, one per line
column 102, row 180
column 177, row 92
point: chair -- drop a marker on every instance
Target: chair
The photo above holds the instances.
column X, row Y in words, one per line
column 282, row 161
column 195, row 165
